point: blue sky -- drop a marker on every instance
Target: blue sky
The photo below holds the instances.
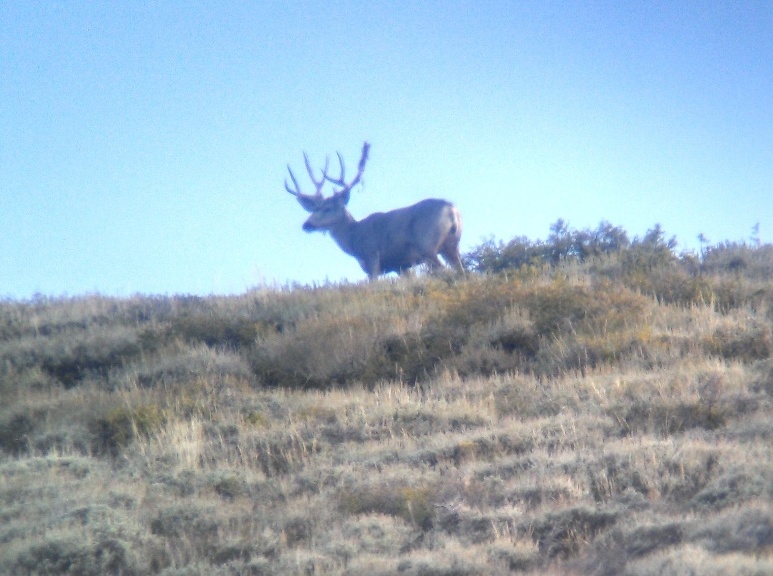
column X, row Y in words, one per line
column 144, row 145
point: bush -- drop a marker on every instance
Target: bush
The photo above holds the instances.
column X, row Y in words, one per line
column 563, row 244
column 69, row 554
column 114, row 431
column 562, row 533
column 754, row 261
column 15, row 433
column 413, row 504
column 213, row 330
column 746, row 341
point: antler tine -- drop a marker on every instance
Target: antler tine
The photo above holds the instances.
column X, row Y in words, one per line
column 317, row 184
column 360, row 169
column 340, row 180
column 295, row 182
column 364, row 158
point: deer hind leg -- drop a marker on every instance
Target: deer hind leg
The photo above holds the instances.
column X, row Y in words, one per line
column 450, row 252
column 433, row 262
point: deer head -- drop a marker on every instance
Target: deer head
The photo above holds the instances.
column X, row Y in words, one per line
column 328, row 212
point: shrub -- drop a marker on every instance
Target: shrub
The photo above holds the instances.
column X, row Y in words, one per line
column 120, row 426
column 746, row 341
column 740, row 259
column 748, row 529
column 413, row 504
column 15, row 433
column 214, row 330
column 182, row 366
column 494, row 257
column 94, row 352
column 317, row 353
column 562, row 533
column 666, row 416
column 108, row 553
column 229, row 486
column 563, row 244
column 184, row 521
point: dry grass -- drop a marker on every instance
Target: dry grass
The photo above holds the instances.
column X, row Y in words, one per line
column 548, row 422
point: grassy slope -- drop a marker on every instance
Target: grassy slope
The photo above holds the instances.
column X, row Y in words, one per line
column 581, row 420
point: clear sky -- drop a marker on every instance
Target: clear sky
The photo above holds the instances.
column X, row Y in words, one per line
column 144, row 144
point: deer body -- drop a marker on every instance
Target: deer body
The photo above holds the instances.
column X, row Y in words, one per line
column 395, row 241
column 384, row 241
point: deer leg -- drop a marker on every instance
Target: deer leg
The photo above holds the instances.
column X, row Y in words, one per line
column 374, row 268
column 433, row 262
column 454, row 259
column 450, row 253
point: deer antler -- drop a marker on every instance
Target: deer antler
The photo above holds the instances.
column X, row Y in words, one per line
column 317, row 184
column 360, row 169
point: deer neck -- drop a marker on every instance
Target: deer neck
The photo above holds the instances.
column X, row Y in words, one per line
column 343, row 233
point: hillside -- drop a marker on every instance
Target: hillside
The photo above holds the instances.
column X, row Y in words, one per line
column 586, row 405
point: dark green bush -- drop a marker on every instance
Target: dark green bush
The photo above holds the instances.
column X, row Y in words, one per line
column 214, row 330
column 563, row 244
column 413, row 504
column 107, row 554
column 15, row 433
column 753, row 261
column 562, row 533
column 747, row 342
column 120, row 426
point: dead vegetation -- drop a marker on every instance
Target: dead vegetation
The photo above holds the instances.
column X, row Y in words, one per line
column 603, row 414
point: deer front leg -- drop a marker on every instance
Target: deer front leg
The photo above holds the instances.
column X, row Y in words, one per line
column 372, row 266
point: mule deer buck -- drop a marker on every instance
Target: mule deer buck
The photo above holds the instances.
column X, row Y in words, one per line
column 384, row 241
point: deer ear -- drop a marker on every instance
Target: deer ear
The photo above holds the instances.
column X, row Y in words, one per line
column 343, row 196
column 309, row 203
